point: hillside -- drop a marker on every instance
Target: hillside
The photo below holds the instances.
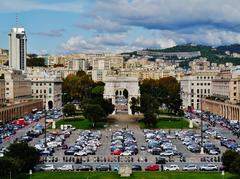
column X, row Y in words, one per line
column 214, row 55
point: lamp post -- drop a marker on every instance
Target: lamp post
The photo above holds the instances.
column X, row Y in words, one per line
column 201, row 117
column 45, row 131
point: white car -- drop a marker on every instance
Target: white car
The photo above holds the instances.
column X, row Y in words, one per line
column 171, row 168
column 48, row 167
column 167, row 153
column 67, row 167
column 209, row 167
column 190, row 167
column 126, row 153
column 213, row 152
column 80, row 153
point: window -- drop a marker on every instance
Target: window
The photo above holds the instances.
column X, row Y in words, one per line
column 192, row 84
column 50, row 91
column 192, row 100
column 234, row 94
column 234, row 88
column 40, row 84
column 36, row 84
column 197, row 90
column 205, row 90
column 208, row 84
column 192, row 91
column 235, row 82
column 40, row 91
column 44, row 91
column 50, row 84
column 36, row 91
column 197, row 84
column 208, row 90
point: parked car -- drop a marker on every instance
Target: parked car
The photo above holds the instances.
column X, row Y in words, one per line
column 103, row 167
column 209, row 167
column 152, row 167
column 67, row 167
column 47, row 167
column 172, row 167
column 85, row 168
column 136, row 168
column 190, row 167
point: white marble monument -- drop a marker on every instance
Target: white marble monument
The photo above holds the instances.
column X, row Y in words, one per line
column 115, row 86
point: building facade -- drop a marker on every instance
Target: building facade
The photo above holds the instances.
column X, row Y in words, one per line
column 2, row 91
column 15, row 111
column 17, row 86
column 46, row 86
column 17, row 48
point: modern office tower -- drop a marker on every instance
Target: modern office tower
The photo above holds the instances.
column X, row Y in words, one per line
column 17, row 48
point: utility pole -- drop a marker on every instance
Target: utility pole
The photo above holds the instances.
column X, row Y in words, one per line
column 45, row 134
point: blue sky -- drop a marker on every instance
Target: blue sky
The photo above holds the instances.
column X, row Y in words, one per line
column 73, row 26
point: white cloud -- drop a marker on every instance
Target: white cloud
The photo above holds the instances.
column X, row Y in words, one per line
column 50, row 33
column 103, row 25
column 144, row 42
column 95, row 44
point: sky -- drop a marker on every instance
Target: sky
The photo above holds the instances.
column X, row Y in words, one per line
column 93, row 26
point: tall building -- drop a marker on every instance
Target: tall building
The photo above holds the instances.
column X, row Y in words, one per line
column 17, row 48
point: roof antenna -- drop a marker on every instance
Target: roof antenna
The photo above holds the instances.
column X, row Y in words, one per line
column 17, row 20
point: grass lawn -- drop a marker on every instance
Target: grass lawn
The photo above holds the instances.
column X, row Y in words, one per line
column 135, row 175
column 79, row 123
column 169, row 123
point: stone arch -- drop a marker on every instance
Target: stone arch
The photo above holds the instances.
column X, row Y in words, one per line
column 114, row 84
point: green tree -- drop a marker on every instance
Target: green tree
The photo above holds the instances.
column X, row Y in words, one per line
column 150, row 118
column 235, row 166
column 28, row 156
column 97, row 91
column 134, row 105
column 9, row 166
column 69, row 110
column 94, row 112
column 227, row 158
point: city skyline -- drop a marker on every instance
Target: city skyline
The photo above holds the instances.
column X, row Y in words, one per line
column 116, row 26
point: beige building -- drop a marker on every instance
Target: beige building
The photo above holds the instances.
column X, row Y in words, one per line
column 197, row 83
column 17, row 87
column 18, row 110
column 3, row 56
column 46, row 86
column 2, row 91
column 226, row 110
column 226, row 86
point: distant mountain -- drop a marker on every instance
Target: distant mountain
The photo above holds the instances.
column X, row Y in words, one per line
column 234, row 48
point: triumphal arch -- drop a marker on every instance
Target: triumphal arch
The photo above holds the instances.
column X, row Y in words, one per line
column 120, row 90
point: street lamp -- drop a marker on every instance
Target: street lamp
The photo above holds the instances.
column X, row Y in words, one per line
column 45, row 131
column 201, row 116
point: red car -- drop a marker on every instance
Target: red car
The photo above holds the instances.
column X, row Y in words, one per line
column 116, row 152
column 152, row 167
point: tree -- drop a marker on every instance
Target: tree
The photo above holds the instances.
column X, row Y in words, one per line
column 97, row 91
column 150, row 118
column 227, row 159
column 28, row 156
column 134, row 105
column 235, row 165
column 94, row 112
column 69, row 110
column 11, row 166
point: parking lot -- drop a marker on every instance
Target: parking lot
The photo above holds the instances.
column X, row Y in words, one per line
column 125, row 143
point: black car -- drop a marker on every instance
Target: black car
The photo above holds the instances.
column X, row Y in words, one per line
column 160, row 160
column 136, row 168
column 103, row 168
column 85, row 168
column 69, row 152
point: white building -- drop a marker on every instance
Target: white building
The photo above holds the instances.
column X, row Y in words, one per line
column 17, row 48
column 193, row 86
column 46, row 86
column 78, row 64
